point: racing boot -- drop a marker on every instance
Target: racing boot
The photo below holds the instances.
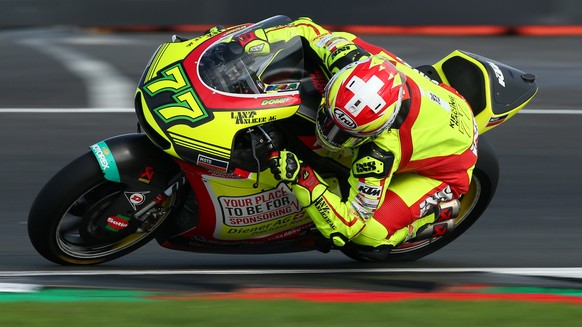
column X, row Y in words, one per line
column 437, row 223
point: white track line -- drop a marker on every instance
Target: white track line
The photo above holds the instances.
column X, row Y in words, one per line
column 18, row 288
column 566, row 272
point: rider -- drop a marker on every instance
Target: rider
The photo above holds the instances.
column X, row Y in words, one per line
column 414, row 142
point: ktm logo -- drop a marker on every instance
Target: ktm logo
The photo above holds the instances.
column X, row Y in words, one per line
column 365, row 167
column 369, row 190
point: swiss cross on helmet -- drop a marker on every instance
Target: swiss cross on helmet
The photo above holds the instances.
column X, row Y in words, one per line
column 361, row 101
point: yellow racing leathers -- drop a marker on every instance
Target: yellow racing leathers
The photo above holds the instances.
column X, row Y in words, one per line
column 425, row 158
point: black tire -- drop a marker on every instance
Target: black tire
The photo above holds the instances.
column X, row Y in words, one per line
column 473, row 205
column 67, row 222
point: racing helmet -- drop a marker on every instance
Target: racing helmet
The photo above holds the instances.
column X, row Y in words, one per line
column 360, row 102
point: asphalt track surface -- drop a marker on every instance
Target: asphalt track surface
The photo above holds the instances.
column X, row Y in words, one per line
column 533, row 223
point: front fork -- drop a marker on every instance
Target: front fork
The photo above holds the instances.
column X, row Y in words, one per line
column 148, row 216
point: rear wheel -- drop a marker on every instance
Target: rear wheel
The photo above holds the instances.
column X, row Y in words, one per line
column 79, row 218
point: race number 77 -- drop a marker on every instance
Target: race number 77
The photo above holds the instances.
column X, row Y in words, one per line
column 186, row 105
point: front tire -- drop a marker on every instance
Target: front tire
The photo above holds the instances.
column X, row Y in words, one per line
column 76, row 217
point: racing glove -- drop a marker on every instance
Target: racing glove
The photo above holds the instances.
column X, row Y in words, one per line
column 305, row 183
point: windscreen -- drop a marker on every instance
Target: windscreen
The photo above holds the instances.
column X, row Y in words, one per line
column 248, row 62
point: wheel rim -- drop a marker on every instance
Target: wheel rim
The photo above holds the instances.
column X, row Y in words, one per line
column 81, row 233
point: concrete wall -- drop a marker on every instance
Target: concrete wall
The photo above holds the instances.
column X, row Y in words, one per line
column 20, row 13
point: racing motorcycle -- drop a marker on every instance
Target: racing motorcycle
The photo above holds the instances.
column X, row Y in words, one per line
column 195, row 175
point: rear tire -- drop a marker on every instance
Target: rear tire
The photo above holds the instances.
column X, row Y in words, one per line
column 67, row 222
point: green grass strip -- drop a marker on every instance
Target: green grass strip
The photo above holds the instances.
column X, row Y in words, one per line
column 532, row 290
column 282, row 313
column 77, row 295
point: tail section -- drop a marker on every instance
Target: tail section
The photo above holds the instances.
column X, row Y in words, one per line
column 494, row 90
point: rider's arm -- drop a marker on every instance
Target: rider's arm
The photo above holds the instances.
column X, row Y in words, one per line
column 371, row 173
column 334, row 50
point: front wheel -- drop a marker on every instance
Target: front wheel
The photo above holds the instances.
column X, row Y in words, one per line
column 79, row 218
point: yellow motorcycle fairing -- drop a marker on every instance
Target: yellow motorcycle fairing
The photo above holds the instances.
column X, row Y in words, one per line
column 495, row 91
column 193, row 105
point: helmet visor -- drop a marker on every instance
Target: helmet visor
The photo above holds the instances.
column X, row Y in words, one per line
column 332, row 136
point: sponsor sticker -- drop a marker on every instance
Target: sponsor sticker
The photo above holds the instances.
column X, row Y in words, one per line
column 367, row 200
column 369, row 190
column 343, row 119
column 366, row 166
column 439, row 230
column 117, row 223
column 282, row 87
column 257, row 48
column 147, row 174
column 494, row 121
column 498, row 73
column 439, row 101
column 211, row 163
column 106, row 161
column 136, row 198
column 278, row 101
column 325, row 212
column 258, row 208
column 321, row 41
